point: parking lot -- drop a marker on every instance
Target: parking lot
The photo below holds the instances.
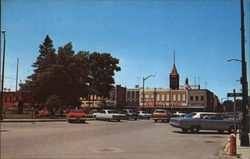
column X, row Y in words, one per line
column 139, row 139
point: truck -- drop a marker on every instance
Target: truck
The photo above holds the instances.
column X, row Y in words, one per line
column 109, row 115
column 161, row 115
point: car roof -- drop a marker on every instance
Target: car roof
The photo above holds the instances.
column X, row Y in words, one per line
column 208, row 112
column 75, row 109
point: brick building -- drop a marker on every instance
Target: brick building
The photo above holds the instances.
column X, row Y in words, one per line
column 186, row 98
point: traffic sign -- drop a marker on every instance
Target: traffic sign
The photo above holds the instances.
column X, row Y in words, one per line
column 234, row 94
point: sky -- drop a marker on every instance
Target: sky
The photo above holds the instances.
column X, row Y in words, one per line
column 142, row 34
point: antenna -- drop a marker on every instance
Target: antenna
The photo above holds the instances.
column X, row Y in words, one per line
column 174, row 57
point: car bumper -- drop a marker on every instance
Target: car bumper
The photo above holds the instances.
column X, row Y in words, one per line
column 76, row 119
column 176, row 125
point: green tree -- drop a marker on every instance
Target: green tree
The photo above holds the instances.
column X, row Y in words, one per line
column 238, row 104
column 68, row 76
column 228, row 105
column 102, row 68
column 35, row 89
column 53, row 103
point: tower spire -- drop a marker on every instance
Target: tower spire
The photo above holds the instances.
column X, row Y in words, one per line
column 174, row 57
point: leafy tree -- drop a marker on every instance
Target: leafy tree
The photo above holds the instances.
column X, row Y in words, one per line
column 65, row 77
column 53, row 103
column 102, row 69
column 239, row 105
column 35, row 89
column 228, row 105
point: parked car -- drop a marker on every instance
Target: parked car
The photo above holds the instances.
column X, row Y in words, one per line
column 144, row 115
column 203, row 121
column 109, row 115
column 42, row 113
column 92, row 113
column 161, row 115
column 130, row 114
column 77, row 115
column 178, row 114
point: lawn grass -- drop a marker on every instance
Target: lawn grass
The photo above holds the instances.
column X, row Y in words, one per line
column 29, row 115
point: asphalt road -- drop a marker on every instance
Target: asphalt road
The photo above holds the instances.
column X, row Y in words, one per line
column 141, row 139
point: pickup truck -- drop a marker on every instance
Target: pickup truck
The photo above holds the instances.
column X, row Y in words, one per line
column 203, row 121
column 130, row 114
column 109, row 115
column 161, row 115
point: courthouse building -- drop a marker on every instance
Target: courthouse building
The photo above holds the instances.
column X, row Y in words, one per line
column 185, row 98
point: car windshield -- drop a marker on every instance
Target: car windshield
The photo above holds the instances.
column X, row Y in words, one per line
column 77, row 111
column 191, row 115
column 160, row 111
column 112, row 111
column 144, row 112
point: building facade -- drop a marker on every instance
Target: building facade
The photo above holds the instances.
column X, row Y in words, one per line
column 185, row 98
column 133, row 98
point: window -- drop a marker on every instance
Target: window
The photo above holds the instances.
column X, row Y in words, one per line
column 133, row 94
column 128, row 95
column 202, row 98
column 179, row 97
column 174, row 97
column 158, row 97
column 183, row 97
column 163, row 97
column 191, row 98
column 168, row 97
column 196, row 98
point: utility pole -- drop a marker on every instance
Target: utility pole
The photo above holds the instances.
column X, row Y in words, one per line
column 0, row 46
column 244, row 134
column 2, row 92
column 143, row 87
column 17, row 68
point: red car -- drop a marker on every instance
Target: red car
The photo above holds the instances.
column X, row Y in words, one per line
column 77, row 115
column 162, row 115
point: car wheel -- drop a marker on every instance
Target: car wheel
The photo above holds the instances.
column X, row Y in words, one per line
column 155, row 120
column 148, row 118
column 184, row 130
column 118, row 120
column 221, row 131
column 195, row 129
column 230, row 130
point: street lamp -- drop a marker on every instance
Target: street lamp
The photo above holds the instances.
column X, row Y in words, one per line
column 234, row 60
column 244, row 134
column 2, row 82
column 143, row 93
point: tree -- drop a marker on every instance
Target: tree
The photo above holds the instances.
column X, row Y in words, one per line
column 68, row 76
column 53, row 103
column 35, row 89
column 239, row 105
column 228, row 105
column 102, row 69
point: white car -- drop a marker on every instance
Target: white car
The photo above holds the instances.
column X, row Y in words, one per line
column 109, row 115
column 144, row 115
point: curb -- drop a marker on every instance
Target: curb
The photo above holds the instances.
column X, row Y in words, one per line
column 32, row 120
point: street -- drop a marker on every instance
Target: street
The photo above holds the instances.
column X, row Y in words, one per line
column 142, row 139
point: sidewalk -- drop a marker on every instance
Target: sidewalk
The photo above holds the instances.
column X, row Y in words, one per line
column 242, row 152
column 32, row 120
column 39, row 120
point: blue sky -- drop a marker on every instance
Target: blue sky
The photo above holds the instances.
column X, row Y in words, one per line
column 142, row 34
